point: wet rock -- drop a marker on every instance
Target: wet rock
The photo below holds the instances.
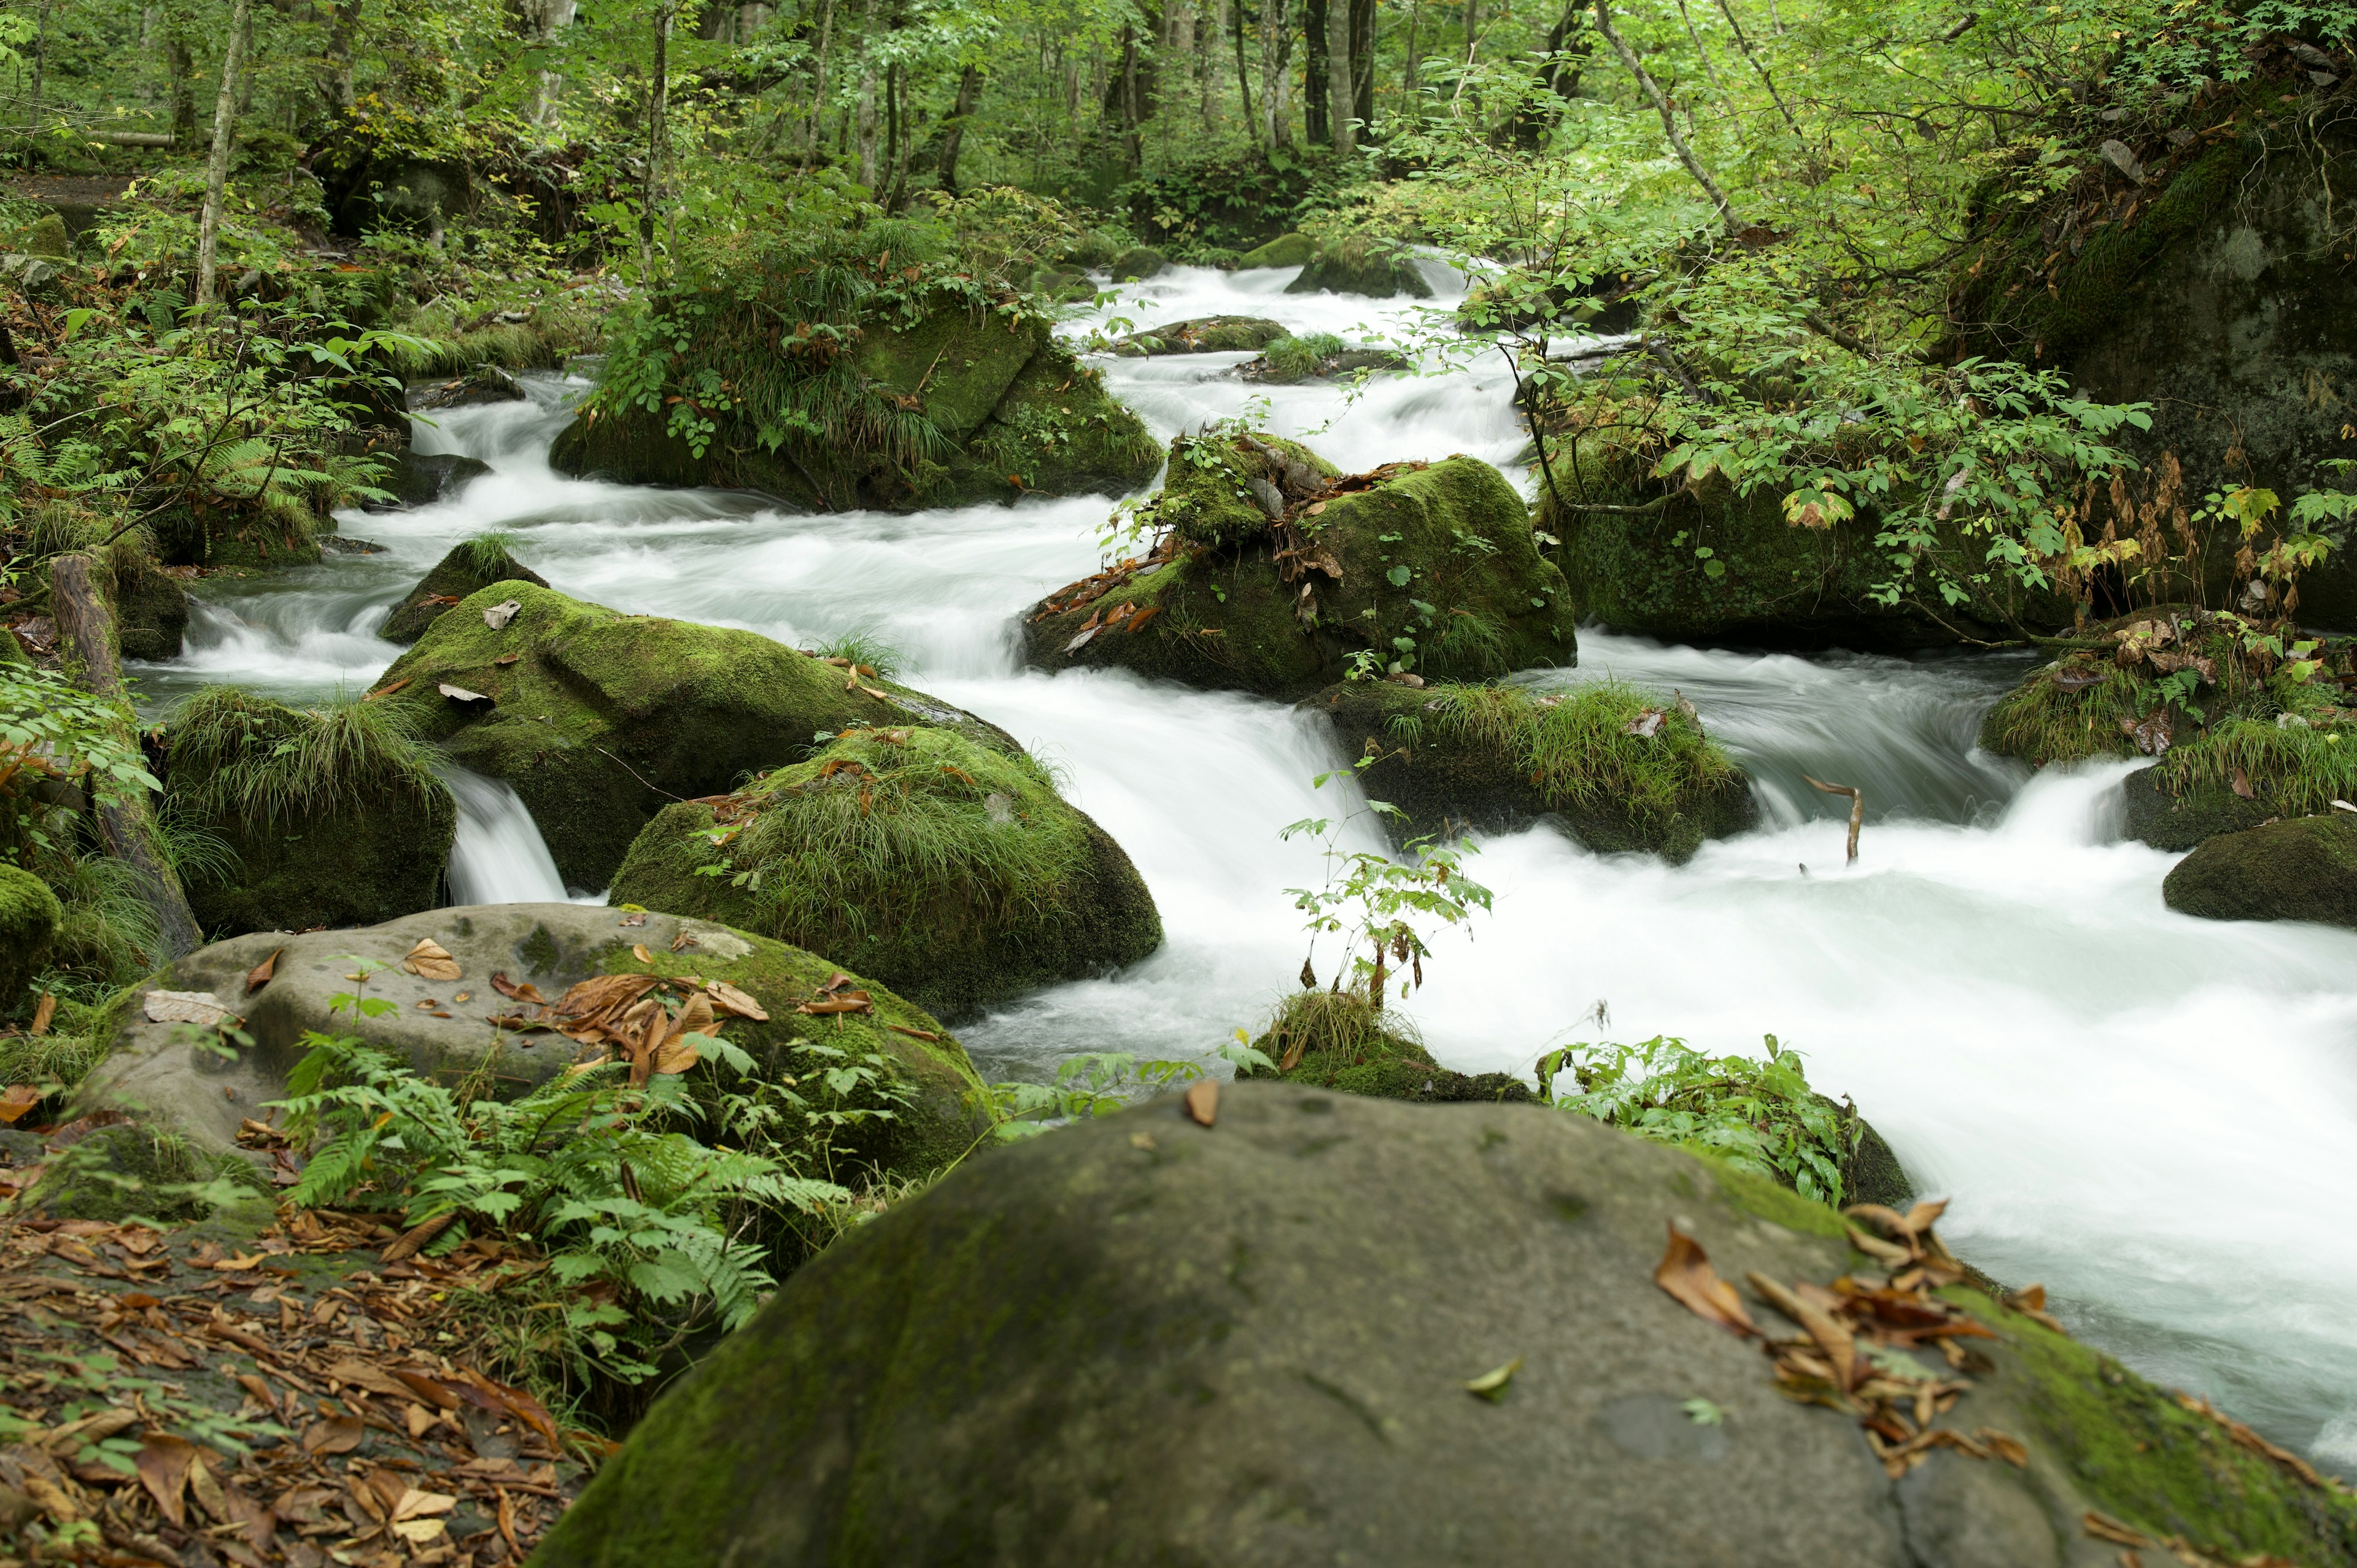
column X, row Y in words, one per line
column 1495, row 758
column 45, row 236
column 1360, row 265
column 151, row 608
column 956, row 874
column 1142, row 1339
column 602, row 719
column 1284, row 250
column 1376, row 566
column 1138, row 263
column 2191, row 815
column 1203, row 335
column 2303, row 868
column 1326, row 1039
column 1318, row 357
column 469, row 568
column 29, row 914
column 169, row 1080
column 484, row 384
column 420, row 479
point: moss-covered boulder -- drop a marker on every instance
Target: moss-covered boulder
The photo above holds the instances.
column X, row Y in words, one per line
column 1336, row 1039
column 169, row 1080
column 1317, row 356
column 1326, row 1328
column 484, row 384
column 1360, row 265
column 151, row 608
column 2180, row 818
column 2302, row 868
column 959, row 406
column 599, row 720
column 1618, row 769
column 44, row 236
column 333, row 816
column 1284, row 250
column 238, row 534
column 950, row 871
column 1203, row 335
column 469, row 568
column 1275, row 574
column 1137, row 264
column 29, row 914
column 1708, row 565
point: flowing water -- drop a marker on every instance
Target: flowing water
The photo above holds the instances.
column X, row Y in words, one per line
column 2156, row 1116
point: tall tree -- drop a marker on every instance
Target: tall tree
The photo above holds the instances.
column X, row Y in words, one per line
column 217, row 164
column 657, row 134
column 1316, row 93
column 1341, row 97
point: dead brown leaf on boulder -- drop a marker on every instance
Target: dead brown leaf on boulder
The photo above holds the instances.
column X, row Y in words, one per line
column 1684, row 1271
column 429, row 959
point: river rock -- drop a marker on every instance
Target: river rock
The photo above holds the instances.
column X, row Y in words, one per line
column 367, row 844
column 599, row 719
column 1615, row 768
column 1284, row 250
column 1289, row 364
column 1139, row 1339
column 2302, row 868
column 2192, row 815
column 484, row 383
column 950, row 871
column 29, row 914
column 163, row 1071
column 1014, row 412
column 1376, row 564
column 470, row 567
column 1360, row 265
column 416, row 478
column 1203, row 335
column 1138, row 263
column 1335, row 1039
column 151, row 608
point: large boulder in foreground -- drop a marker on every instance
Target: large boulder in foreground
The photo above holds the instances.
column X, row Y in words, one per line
column 1141, row 1340
column 950, row 871
column 599, row 720
column 959, row 407
column 1617, row 769
column 471, row 566
column 161, row 1070
column 2303, row 868
column 1275, row 575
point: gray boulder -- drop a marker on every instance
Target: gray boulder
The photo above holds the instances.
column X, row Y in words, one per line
column 2304, row 868
column 1141, row 1340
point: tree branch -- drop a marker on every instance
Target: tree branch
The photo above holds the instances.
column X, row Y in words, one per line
column 1727, row 216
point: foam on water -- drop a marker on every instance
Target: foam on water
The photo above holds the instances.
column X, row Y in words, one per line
column 2156, row 1116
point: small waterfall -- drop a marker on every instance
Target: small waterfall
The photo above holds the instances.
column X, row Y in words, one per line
column 498, row 856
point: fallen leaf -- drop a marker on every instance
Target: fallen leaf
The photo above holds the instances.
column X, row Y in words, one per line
column 506, row 658
column 849, row 1002
column 185, row 1007
column 259, row 975
column 925, row 1035
column 388, row 689
column 2102, row 1527
column 1645, row 725
column 43, row 1011
column 2241, row 784
column 1138, row 620
column 639, row 950
column 1686, row 1274
column 417, row 1504
column 2009, row 1449
column 17, row 1099
column 675, row 1057
column 635, row 917
column 460, row 694
column 202, row 1482
column 1079, row 641
column 429, row 959
column 728, row 997
column 1491, row 1385
column 1837, row 1342
column 335, row 1434
column 1202, row 1101
column 410, row 1241
column 498, row 615
column 164, row 1461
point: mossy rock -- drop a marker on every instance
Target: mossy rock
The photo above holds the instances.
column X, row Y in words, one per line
column 1137, row 264
column 1018, row 414
column 2181, row 821
column 950, row 871
column 2303, row 868
column 468, row 569
column 134, row 1169
column 151, row 610
column 256, row 538
column 1139, row 1339
column 367, row 844
column 1498, row 757
column 1291, row 362
column 1326, row 1039
column 1360, row 265
column 1057, row 284
column 420, row 479
column 1204, row 335
column 484, row 384
column 29, row 914
column 45, row 236
column 1712, row 567
column 1284, row 250
column 154, row 1071
column 1437, row 556
column 604, row 718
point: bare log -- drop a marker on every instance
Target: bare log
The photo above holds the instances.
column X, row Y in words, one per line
column 1857, row 809
column 129, row 139
column 86, row 636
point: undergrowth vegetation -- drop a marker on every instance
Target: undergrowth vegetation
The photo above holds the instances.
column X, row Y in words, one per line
column 249, row 758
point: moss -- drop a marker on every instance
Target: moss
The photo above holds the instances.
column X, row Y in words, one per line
column 467, row 569
column 604, row 718
column 29, row 914
column 2178, row 822
column 1339, row 1040
column 2146, row 1459
column 1057, row 432
column 1771, row 1200
column 45, row 236
column 1361, row 266
column 949, row 871
column 1453, row 757
column 554, row 334
column 1204, row 335
column 151, row 608
column 1284, row 250
column 266, row 537
column 1438, row 572
column 1137, row 264
column 333, row 815
column 2303, row 868
column 129, row 1170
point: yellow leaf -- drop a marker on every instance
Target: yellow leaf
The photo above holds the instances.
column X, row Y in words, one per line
column 1491, row 1385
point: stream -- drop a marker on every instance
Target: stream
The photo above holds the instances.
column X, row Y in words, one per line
column 2150, row 1113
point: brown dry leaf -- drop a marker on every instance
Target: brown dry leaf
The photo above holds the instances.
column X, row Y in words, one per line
column 199, row 1007
column 1202, row 1102
column 429, row 959
column 335, row 1434
column 728, row 997
column 17, row 1099
column 208, row 1489
column 507, row 659
column 417, row 1504
column 594, row 996
column 460, row 694
column 388, row 691
column 849, row 1002
column 259, row 975
column 2009, row 1449
column 1838, row 1344
column 1684, row 1271
column 164, row 1461
column 925, row 1035
column 2102, row 1527
column 43, row 1012
column 639, row 950
column 694, row 1018
column 408, row 1244
column 675, row 1057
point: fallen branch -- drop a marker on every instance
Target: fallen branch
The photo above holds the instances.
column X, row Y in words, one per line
column 1857, row 809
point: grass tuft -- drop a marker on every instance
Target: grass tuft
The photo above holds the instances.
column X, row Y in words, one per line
column 490, row 551
column 248, row 759
column 1575, row 747
column 863, row 646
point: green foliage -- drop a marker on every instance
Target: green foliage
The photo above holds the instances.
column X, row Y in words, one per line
column 491, row 550
column 1291, row 359
column 251, row 759
column 1380, row 904
column 53, row 733
column 1758, row 1114
column 865, row 646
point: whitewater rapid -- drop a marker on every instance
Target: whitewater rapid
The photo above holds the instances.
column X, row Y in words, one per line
column 2154, row 1115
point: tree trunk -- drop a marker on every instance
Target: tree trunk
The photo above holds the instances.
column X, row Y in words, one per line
column 550, row 18
column 1243, row 77
column 1317, row 94
column 658, row 135
column 1407, row 71
column 181, row 69
column 1472, row 29
column 1276, row 51
column 867, row 102
column 1362, row 64
column 818, row 90
column 968, row 94
column 41, row 63
column 86, row 634
column 1342, row 96
column 216, row 165
column 1133, row 148
column 1211, row 25
column 337, row 85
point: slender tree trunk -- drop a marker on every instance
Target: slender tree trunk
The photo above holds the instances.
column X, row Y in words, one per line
column 1243, row 77
column 86, row 631
column 1316, row 92
column 337, row 86
column 818, row 90
column 1669, row 121
column 1133, row 147
column 1210, row 27
column 1275, row 56
column 1408, row 71
column 901, row 136
column 1472, row 29
column 1342, row 96
column 550, row 17
column 658, row 136
column 969, row 94
column 216, row 165
column 867, row 101
column 1362, row 64
column 181, row 69
column 41, row 63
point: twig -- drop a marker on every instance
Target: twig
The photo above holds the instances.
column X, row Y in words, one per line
column 1734, row 225
column 1857, row 809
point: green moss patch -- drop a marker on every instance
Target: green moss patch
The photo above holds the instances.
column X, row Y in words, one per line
column 29, row 914
column 1360, row 265
column 952, row 872
column 1339, row 1040
column 1284, row 250
column 471, row 566
column 1204, row 335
